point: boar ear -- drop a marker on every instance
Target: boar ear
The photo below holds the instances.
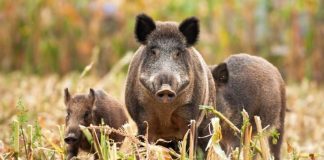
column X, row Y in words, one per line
column 144, row 25
column 220, row 73
column 67, row 96
column 190, row 29
column 92, row 95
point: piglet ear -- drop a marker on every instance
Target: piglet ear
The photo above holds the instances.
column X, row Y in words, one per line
column 67, row 96
column 190, row 29
column 144, row 25
column 92, row 95
column 220, row 73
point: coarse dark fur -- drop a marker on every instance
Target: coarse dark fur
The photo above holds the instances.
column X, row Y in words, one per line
column 166, row 62
column 251, row 83
column 86, row 109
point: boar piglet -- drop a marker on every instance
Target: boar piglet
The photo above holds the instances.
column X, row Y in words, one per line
column 251, row 83
column 86, row 109
column 168, row 80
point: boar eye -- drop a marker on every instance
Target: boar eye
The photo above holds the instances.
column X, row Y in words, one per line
column 68, row 115
column 153, row 52
column 86, row 115
column 179, row 51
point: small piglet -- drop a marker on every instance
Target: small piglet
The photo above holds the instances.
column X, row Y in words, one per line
column 83, row 109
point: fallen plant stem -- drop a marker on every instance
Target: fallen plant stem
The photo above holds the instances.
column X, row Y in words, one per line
column 96, row 143
column 221, row 116
column 120, row 132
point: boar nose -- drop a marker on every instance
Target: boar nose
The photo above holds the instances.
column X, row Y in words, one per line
column 71, row 138
column 165, row 94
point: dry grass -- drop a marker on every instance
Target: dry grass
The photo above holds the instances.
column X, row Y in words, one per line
column 42, row 99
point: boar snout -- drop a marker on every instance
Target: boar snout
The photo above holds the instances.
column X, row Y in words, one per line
column 71, row 138
column 165, row 94
column 165, row 87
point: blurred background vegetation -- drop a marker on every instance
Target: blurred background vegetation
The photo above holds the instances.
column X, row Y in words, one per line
column 45, row 45
column 58, row 36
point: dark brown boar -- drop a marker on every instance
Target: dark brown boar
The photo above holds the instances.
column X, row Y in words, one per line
column 251, row 83
column 168, row 80
column 86, row 109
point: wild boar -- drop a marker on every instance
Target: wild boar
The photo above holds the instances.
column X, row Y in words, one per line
column 86, row 109
column 168, row 80
column 251, row 83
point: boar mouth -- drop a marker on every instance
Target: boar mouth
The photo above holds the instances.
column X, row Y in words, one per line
column 147, row 88
column 165, row 95
column 183, row 87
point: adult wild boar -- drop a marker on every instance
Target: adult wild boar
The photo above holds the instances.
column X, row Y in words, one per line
column 168, row 80
column 83, row 109
column 251, row 83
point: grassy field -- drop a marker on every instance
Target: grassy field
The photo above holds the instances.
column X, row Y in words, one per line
column 45, row 44
column 37, row 102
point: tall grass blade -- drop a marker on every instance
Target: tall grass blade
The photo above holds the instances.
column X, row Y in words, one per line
column 15, row 138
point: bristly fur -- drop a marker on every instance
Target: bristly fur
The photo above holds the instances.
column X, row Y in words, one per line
column 255, row 85
column 98, row 106
column 143, row 27
column 167, row 58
